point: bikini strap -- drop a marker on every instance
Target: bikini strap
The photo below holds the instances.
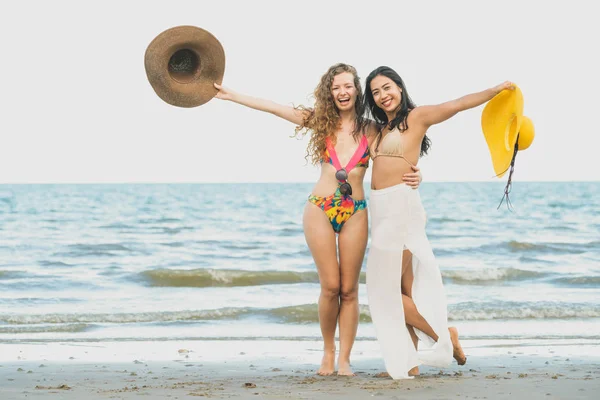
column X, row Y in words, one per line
column 358, row 154
column 333, row 155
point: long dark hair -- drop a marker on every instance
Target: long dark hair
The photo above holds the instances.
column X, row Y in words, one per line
column 406, row 106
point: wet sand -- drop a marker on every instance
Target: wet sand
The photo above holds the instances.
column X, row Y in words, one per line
column 284, row 370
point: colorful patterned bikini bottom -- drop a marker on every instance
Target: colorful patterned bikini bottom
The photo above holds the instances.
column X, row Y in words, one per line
column 338, row 208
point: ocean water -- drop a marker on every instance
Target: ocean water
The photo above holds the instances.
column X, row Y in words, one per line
column 131, row 262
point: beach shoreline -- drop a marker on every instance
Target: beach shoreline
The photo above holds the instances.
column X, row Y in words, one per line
column 285, row 369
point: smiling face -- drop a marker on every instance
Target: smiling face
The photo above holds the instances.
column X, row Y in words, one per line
column 386, row 94
column 344, row 91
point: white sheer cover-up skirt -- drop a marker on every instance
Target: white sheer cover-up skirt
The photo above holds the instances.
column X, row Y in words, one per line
column 397, row 223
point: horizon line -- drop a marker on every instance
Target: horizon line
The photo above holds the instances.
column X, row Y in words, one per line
column 261, row 182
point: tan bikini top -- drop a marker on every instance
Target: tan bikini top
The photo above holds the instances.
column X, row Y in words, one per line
column 391, row 146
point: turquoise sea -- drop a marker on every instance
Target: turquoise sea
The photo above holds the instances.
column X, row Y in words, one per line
column 127, row 262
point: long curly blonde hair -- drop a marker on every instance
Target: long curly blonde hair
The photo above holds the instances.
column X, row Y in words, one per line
column 324, row 119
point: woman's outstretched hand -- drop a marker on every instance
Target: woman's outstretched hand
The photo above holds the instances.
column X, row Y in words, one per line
column 413, row 179
column 288, row 113
column 508, row 85
column 224, row 93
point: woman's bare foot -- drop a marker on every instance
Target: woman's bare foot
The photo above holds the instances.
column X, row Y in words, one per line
column 412, row 372
column 327, row 363
column 344, row 368
column 458, row 353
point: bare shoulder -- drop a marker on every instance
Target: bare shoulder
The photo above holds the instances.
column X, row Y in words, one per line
column 418, row 116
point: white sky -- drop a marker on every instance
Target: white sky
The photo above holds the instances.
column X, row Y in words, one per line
column 77, row 107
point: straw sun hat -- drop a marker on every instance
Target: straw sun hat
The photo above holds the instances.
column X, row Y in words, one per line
column 182, row 63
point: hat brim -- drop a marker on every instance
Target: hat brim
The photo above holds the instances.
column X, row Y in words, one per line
column 193, row 86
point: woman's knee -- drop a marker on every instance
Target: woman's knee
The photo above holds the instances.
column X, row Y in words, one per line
column 349, row 293
column 330, row 289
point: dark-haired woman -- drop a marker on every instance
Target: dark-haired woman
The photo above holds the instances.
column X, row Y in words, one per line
column 406, row 299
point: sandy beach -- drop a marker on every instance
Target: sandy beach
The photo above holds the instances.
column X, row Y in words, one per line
column 285, row 370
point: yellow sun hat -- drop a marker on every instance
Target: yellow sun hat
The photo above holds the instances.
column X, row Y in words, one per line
column 506, row 131
column 505, row 128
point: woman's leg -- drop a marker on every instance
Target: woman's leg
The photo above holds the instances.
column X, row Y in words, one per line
column 352, row 245
column 411, row 314
column 416, row 318
column 407, row 291
column 320, row 238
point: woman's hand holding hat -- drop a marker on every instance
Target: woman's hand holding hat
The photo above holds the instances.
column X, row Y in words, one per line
column 224, row 93
column 508, row 85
